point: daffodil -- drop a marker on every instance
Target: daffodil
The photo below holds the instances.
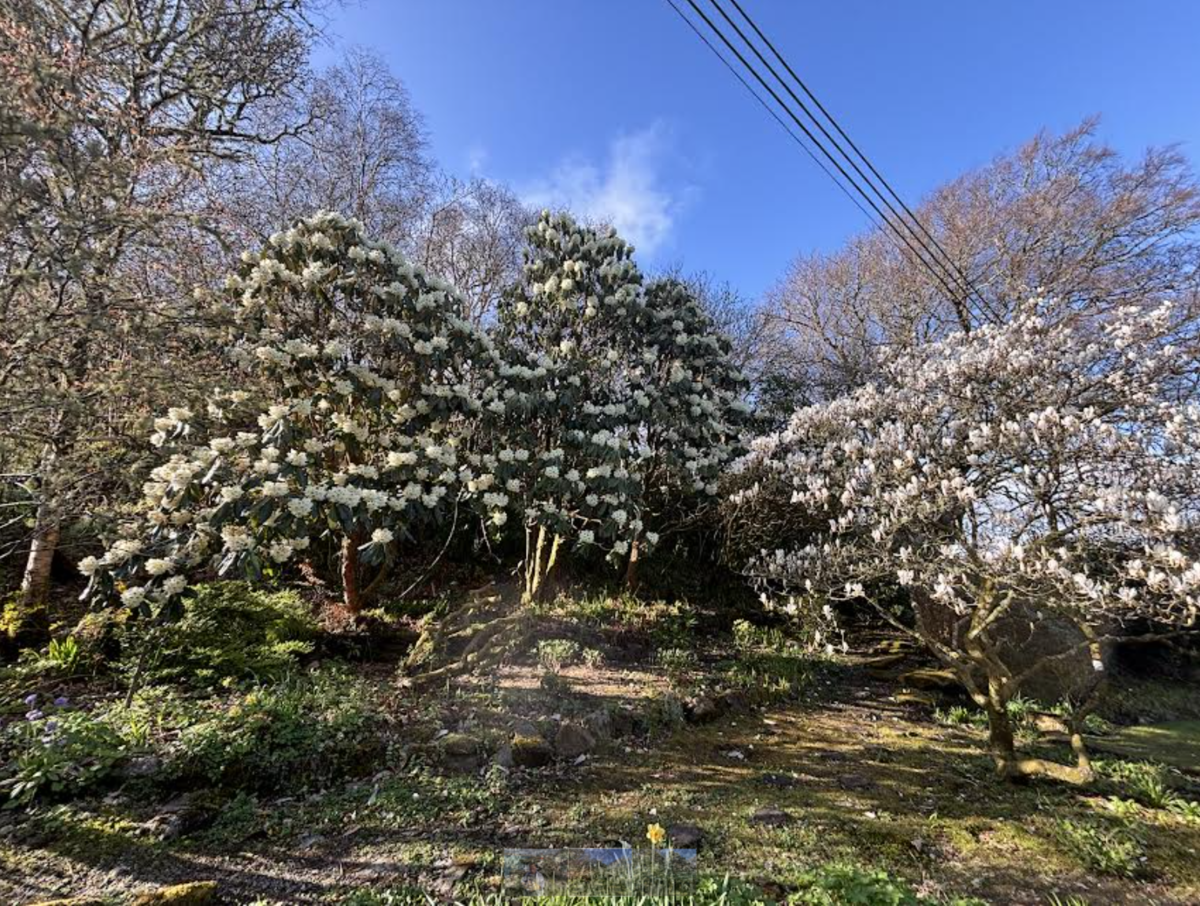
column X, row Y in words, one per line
column 656, row 835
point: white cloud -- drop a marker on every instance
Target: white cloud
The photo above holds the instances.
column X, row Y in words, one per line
column 627, row 192
column 477, row 159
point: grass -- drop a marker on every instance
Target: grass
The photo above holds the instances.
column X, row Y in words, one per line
column 883, row 805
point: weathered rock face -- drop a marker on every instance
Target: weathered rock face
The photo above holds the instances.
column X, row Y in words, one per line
column 531, row 752
column 196, row 893
column 1022, row 648
column 1026, row 639
column 706, row 709
column 461, row 752
column 573, row 740
column 931, row 679
column 600, row 724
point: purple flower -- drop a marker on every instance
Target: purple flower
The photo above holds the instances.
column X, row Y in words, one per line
column 34, row 715
column 31, row 699
column 51, row 726
column 62, row 701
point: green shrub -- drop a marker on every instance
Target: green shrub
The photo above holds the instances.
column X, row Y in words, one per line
column 301, row 733
column 677, row 662
column 231, row 631
column 55, row 750
column 1144, row 781
column 765, row 676
column 663, row 713
column 554, row 654
column 22, row 626
column 837, row 884
column 1107, row 850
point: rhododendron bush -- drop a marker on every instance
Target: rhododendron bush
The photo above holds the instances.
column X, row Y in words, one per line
column 1045, row 470
column 632, row 405
column 361, row 408
column 364, row 390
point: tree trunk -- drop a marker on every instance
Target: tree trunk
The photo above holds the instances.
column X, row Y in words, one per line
column 1011, row 767
column 35, row 583
column 631, row 568
column 351, row 596
column 535, row 573
column 1001, row 742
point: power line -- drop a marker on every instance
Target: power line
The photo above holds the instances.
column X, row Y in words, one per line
column 775, row 116
column 945, row 272
column 966, row 283
column 936, row 274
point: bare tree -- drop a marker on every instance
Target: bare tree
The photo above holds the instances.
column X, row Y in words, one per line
column 110, row 113
column 473, row 235
column 362, row 152
column 1064, row 216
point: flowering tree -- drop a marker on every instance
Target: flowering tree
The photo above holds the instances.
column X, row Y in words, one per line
column 697, row 418
column 1044, row 470
column 364, row 390
column 574, row 404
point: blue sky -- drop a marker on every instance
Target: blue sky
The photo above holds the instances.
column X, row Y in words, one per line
column 615, row 108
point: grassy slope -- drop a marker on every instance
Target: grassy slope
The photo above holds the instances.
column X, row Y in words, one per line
column 863, row 779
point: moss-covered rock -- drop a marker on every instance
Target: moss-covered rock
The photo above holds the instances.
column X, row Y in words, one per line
column 195, row 893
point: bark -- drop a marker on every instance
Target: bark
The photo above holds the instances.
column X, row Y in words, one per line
column 351, row 595
column 35, row 583
column 536, row 573
column 1012, row 767
column 631, row 569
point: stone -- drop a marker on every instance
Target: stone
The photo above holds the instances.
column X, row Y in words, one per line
column 855, row 782
column 737, row 702
column 504, row 756
column 459, row 744
column 142, row 766
column 179, row 816
column 1050, row 724
column 531, row 752
column 917, row 699
column 573, row 740
column 599, row 723
column 461, row 752
column 195, row 893
column 684, row 836
column 779, row 781
column 881, row 663
column 525, row 728
column 769, row 816
column 706, row 709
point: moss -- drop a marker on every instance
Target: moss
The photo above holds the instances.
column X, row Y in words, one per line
column 1176, row 743
column 196, row 893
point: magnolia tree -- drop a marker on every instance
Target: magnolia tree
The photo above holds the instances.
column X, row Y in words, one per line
column 357, row 392
column 1044, row 471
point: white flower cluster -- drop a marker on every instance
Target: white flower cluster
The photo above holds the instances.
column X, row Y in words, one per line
column 1047, row 467
column 623, row 393
column 367, row 404
column 358, row 416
